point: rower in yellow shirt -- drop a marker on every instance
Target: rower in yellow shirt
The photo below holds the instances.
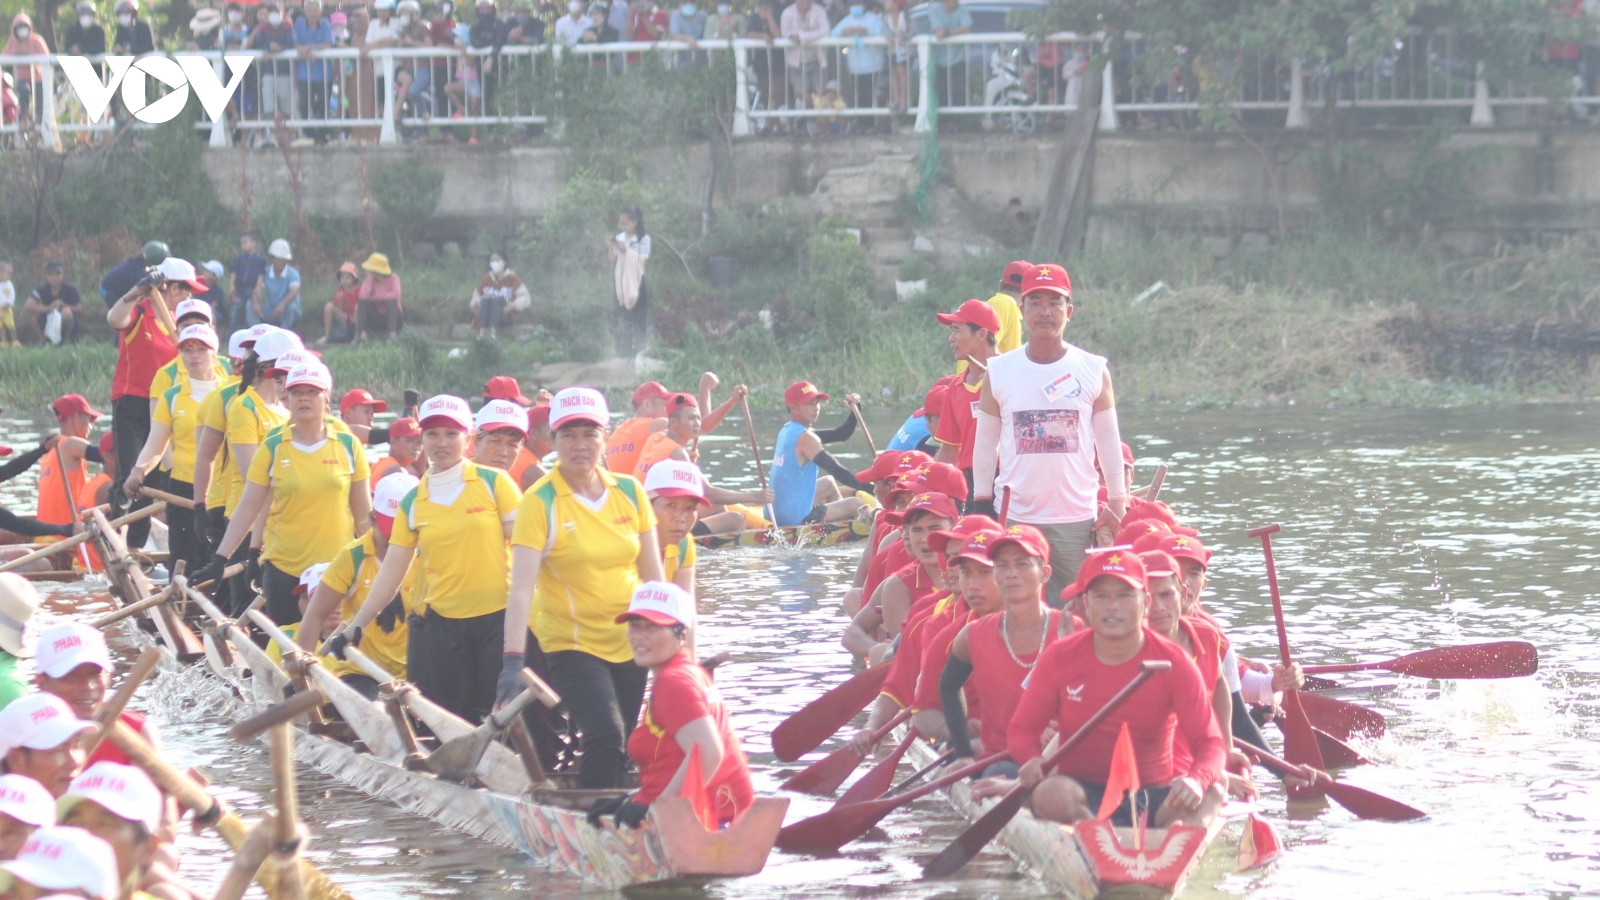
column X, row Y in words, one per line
column 214, row 469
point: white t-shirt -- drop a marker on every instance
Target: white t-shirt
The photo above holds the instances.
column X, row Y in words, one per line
column 8, row 294
column 378, row 31
column 1047, row 451
column 570, row 31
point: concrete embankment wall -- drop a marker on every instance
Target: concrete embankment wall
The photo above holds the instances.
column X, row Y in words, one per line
column 1227, row 185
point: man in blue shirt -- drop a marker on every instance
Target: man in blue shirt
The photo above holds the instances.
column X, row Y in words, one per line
column 248, row 268
column 312, row 32
column 687, row 24
column 948, row 19
column 277, row 299
column 865, row 60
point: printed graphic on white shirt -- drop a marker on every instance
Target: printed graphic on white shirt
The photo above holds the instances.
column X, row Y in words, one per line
column 1045, row 430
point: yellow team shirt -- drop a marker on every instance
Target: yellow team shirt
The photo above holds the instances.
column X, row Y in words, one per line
column 1010, row 336
column 310, row 496
column 351, row 574
column 463, row 564
column 682, row 555
column 173, row 373
column 250, row 420
column 214, row 414
column 589, row 570
column 180, row 411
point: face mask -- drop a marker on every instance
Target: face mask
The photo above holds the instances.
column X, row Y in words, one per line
column 405, row 20
column 496, row 266
column 858, row 10
column 445, row 10
column 235, row 18
column 22, row 33
column 86, row 21
column 723, row 9
column 574, row 8
column 274, row 19
column 689, row 9
column 125, row 20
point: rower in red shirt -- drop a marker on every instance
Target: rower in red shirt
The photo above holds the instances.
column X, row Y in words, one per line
column 992, row 657
column 1074, row 678
column 975, row 585
column 871, row 631
column 882, row 475
column 973, row 329
column 892, row 555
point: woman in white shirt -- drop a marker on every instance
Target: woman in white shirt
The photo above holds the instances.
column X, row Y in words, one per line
column 630, row 251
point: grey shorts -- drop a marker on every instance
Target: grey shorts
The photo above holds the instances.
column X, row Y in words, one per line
column 1067, row 545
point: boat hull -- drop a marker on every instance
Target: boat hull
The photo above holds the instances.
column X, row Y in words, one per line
column 831, row 534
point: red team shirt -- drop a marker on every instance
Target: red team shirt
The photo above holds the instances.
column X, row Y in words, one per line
column 958, row 423
column 996, row 680
column 1069, row 684
column 935, row 653
column 142, row 348
column 884, row 563
column 901, row 685
column 683, row 692
column 1207, row 643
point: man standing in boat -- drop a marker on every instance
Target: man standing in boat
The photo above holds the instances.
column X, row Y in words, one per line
column 1046, row 411
column 1076, row 675
column 973, row 327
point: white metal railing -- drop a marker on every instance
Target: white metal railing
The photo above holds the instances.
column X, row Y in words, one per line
column 834, row 85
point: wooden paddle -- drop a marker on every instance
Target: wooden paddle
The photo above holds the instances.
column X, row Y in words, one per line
column 112, row 710
column 916, row 776
column 825, row 775
column 818, row 720
column 246, row 862
column 209, row 812
column 1154, row 493
column 1498, row 659
column 1365, row 804
column 68, row 543
column 458, row 758
column 855, row 410
column 840, row 825
column 1005, row 505
column 755, row 451
column 1340, row 718
column 277, row 714
column 286, row 824
column 169, row 498
column 1299, row 741
column 878, row 778
column 972, row 841
column 156, row 599
column 1336, row 753
column 114, row 555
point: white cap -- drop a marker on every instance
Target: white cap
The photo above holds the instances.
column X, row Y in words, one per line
column 175, row 269
column 58, row 858
column 201, row 332
column 27, row 801
column 279, row 249
column 676, row 478
column 390, row 490
column 289, row 359
column 312, row 373
column 443, row 406
column 214, row 267
column 18, row 600
column 125, row 792
column 39, row 722
column 66, row 646
column 579, row 405
column 497, row 414
column 237, row 341
column 192, row 307
column 276, row 343
column 661, row 602
column 309, row 579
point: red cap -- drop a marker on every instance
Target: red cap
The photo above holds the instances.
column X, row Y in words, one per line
column 360, row 397
column 938, row 477
column 504, row 387
column 1029, row 538
column 6, row 451
column 650, row 390
column 404, row 428
column 538, row 416
column 965, row 527
column 1185, row 546
column 1115, row 562
column 1016, row 272
column 1145, row 510
column 973, row 312
column 1147, row 542
column 931, row 502
column 974, row 547
column 1137, row 529
column 108, row 445
column 1158, row 564
column 1050, row 278
column 676, row 402
column 1127, row 454
column 802, row 392
column 72, row 404
column 892, row 463
column 934, row 400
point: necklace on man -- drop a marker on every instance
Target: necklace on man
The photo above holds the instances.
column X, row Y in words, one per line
column 1005, row 638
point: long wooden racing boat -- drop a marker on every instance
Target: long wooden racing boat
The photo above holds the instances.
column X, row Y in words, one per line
column 830, row 534
column 1090, row 859
column 368, row 752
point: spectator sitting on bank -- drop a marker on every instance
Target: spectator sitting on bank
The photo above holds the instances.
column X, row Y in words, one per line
column 211, row 273
column 500, row 293
column 378, row 300
column 277, row 294
column 205, row 25
column 339, row 316
column 56, row 295
column 724, row 24
column 25, row 42
column 85, row 36
column 133, row 36
column 599, row 31
column 827, row 99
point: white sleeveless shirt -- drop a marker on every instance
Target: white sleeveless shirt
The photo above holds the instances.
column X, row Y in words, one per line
column 1047, row 450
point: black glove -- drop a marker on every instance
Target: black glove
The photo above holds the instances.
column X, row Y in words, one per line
column 983, row 507
column 605, row 806
column 631, row 814
column 508, row 687
column 212, row 572
column 391, row 615
column 202, row 526
column 411, row 401
column 350, row 637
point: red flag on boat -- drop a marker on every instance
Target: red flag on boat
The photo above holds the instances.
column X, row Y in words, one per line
column 1124, row 777
column 694, row 788
column 1259, row 845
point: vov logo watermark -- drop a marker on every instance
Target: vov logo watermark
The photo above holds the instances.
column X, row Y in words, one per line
column 181, row 73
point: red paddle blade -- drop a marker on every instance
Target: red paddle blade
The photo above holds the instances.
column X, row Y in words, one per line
column 1336, row 753
column 1299, row 739
column 971, row 842
column 1501, row 659
column 824, row 776
column 1367, row 805
column 879, row 778
column 818, row 720
column 1341, row 718
column 835, row 828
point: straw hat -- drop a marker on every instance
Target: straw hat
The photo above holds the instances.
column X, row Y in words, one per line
column 205, row 21
column 18, row 600
column 378, row 264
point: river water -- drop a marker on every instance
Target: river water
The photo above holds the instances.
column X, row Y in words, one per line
column 1402, row 530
